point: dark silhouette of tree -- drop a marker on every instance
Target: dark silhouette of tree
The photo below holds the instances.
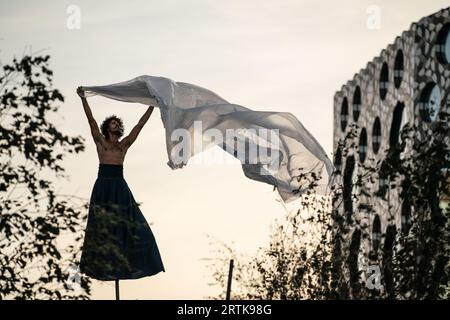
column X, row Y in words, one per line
column 40, row 230
column 323, row 255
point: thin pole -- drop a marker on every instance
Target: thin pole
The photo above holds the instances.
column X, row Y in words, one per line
column 117, row 290
column 230, row 276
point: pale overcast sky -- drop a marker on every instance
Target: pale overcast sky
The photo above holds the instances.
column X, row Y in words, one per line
column 266, row 55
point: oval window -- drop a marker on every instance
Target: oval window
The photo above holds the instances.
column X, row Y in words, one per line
column 356, row 103
column 384, row 80
column 376, row 135
column 344, row 113
column 398, row 69
column 443, row 44
column 430, row 102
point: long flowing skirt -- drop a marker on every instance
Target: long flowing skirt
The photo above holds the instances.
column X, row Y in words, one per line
column 118, row 243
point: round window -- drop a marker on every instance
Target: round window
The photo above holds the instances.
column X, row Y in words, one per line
column 430, row 102
column 443, row 44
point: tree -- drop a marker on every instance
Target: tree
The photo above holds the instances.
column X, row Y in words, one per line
column 320, row 255
column 40, row 230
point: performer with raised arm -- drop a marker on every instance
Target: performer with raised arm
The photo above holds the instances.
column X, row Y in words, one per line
column 118, row 243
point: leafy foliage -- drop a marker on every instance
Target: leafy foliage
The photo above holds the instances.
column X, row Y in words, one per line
column 319, row 252
column 40, row 230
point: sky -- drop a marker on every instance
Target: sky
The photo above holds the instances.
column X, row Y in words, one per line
column 286, row 55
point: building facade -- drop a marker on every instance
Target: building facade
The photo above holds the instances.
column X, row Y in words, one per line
column 409, row 82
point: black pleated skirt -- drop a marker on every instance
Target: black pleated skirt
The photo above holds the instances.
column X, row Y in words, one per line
column 118, row 242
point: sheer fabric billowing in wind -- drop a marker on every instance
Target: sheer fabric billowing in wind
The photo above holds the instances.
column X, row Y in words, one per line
column 297, row 154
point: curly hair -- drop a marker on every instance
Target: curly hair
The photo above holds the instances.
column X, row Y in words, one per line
column 105, row 124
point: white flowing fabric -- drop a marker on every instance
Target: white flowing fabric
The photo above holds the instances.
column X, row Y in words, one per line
column 299, row 155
